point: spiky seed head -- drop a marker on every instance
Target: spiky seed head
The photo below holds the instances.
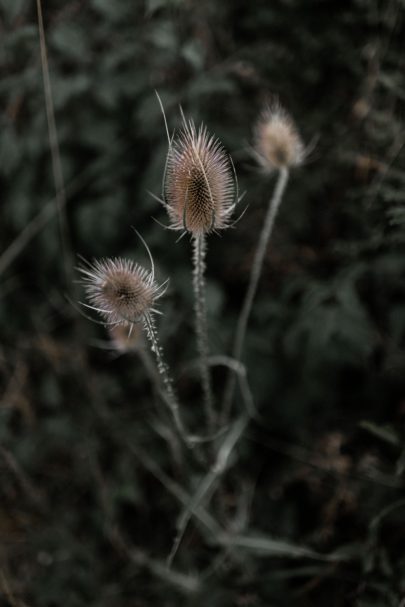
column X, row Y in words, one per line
column 200, row 184
column 120, row 290
column 277, row 143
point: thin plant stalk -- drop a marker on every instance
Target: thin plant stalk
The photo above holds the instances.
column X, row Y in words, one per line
column 199, row 253
column 208, row 483
column 55, row 151
column 274, row 205
column 169, row 394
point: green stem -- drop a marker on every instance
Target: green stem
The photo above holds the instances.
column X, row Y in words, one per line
column 274, row 205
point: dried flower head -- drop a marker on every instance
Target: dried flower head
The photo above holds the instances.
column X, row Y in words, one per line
column 277, row 143
column 120, row 290
column 200, row 184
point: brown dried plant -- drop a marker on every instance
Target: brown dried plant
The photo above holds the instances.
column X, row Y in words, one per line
column 120, row 290
column 200, row 192
column 200, row 186
column 124, row 294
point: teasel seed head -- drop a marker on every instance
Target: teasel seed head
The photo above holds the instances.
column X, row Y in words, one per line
column 200, row 187
column 119, row 289
column 277, row 143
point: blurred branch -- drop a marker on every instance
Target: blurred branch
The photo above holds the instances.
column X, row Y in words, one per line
column 16, row 247
column 5, row 587
column 308, row 458
column 264, row 546
column 185, row 583
column 23, row 480
column 208, row 483
column 60, row 198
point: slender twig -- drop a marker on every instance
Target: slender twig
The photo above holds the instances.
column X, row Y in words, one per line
column 161, row 427
column 187, row 584
column 6, row 590
column 263, row 546
column 22, row 478
column 45, row 215
column 54, row 146
column 208, row 483
column 239, row 370
column 255, row 273
column 199, row 252
column 209, row 526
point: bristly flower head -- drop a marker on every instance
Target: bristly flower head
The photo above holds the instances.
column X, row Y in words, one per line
column 120, row 290
column 277, row 143
column 200, row 187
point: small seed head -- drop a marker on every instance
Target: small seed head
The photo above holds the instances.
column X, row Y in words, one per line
column 120, row 290
column 122, row 341
column 200, row 185
column 277, row 143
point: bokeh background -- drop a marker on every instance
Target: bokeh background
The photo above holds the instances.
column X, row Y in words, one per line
column 88, row 508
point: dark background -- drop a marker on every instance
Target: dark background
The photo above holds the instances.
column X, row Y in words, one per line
column 87, row 511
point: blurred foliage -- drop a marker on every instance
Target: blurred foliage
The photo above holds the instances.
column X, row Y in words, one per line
column 87, row 509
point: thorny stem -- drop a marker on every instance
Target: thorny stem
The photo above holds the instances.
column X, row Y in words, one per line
column 170, row 396
column 274, row 205
column 199, row 252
